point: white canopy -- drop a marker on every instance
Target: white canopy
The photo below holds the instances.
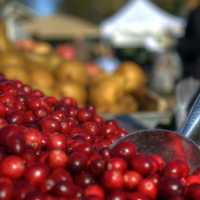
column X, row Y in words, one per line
column 140, row 19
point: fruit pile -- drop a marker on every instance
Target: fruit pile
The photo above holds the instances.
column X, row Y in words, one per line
column 54, row 150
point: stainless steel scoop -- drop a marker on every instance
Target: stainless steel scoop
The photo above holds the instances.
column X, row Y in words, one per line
column 183, row 144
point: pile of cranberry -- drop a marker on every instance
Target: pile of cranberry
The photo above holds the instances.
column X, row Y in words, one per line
column 53, row 150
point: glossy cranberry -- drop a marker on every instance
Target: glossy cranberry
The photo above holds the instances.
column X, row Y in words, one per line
column 159, row 161
column 137, row 196
column 142, row 164
column 126, row 150
column 57, row 141
column 15, row 144
column 6, row 191
column 105, row 152
column 60, row 174
column 12, row 166
column 148, row 188
column 132, row 179
column 36, row 174
column 176, row 169
column 113, row 180
column 193, row 192
column 85, row 148
column 91, row 128
column 117, row 195
column 97, row 166
column 35, row 196
column 40, row 113
column 49, row 124
column 33, row 138
column 77, row 162
column 29, row 117
column 64, row 189
column 16, row 118
column 94, row 191
column 72, row 112
column 84, row 115
column 117, row 164
column 58, row 158
column 84, row 179
column 68, row 101
column 170, row 187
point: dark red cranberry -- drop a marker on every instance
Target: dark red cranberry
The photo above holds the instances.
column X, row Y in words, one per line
column 84, row 179
column 50, row 125
column 170, row 187
column 6, row 191
column 84, row 115
column 176, row 169
column 137, row 196
column 193, row 192
column 117, row 195
column 125, row 150
column 91, row 128
column 64, row 189
column 56, row 141
column 142, row 164
column 97, row 166
column 77, row 162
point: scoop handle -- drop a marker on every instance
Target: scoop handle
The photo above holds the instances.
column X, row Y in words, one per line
column 191, row 127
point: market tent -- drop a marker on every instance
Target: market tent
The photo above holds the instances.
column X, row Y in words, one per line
column 60, row 26
column 139, row 19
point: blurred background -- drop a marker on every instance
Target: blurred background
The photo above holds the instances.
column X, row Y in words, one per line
column 131, row 59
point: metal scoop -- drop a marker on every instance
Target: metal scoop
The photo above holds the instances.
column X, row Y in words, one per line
column 183, row 144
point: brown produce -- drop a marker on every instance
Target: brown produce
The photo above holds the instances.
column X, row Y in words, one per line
column 134, row 76
column 72, row 71
column 107, row 91
column 11, row 58
column 41, row 78
column 16, row 73
column 74, row 90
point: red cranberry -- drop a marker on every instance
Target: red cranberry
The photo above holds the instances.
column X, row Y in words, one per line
column 132, row 179
column 12, row 166
column 60, row 174
column 36, row 174
column 124, row 150
column 6, row 191
column 84, row 115
column 3, row 123
column 84, row 179
column 117, row 164
column 64, row 189
column 117, row 195
column 142, row 164
column 57, row 141
column 97, row 166
column 170, row 187
column 50, row 125
column 194, row 179
column 95, row 191
column 77, row 162
column 137, row 196
column 40, row 113
column 148, row 188
column 68, row 101
column 176, row 169
column 193, row 192
column 58, row 158
column 33, row 138
column 91, row 128
column 113, row 180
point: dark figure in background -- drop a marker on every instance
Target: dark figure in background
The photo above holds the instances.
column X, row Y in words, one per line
column 189, row 46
